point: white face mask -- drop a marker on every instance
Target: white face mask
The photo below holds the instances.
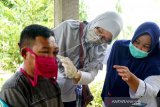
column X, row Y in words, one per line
column 92, row 37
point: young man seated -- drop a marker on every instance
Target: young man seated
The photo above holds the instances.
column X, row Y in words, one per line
column 34, row 85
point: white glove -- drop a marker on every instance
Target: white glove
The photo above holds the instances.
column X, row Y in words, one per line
column 69, row 68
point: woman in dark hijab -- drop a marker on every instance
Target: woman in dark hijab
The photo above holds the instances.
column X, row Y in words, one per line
column 133, row 66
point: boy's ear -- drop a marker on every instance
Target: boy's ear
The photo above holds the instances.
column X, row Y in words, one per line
column 23, row 52
column 18, row 44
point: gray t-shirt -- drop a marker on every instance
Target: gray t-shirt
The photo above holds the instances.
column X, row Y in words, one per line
column 18, row 92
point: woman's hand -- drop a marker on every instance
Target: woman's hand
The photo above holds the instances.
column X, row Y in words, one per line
column 124, row 72
column 128, row 77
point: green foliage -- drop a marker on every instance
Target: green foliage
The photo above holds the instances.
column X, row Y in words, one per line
column 14, row 16
column 1, row 82
column 118, row 6
column 82, row 11
column 96, row 89
column 126, row 31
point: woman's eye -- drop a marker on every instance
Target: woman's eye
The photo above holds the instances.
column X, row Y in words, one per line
column 100, row 31
column 147, row 47
column 137, row 42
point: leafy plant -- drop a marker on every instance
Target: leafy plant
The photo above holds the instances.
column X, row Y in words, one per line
column 96, row 89
column 14, row 16
column 82, row 11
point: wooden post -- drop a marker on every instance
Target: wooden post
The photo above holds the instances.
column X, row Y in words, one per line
column 65, row 9
column 57, row 12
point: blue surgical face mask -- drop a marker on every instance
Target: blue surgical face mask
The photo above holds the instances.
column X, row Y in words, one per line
column 137, row 53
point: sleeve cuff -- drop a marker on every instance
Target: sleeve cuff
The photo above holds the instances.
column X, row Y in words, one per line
column 140, row 91
column 87, row 77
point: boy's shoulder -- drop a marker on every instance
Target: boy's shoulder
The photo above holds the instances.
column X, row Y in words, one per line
column 12, row 81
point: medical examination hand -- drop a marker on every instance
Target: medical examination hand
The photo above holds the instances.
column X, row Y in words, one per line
column 69, row 68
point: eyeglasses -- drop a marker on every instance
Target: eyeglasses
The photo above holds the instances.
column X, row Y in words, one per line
column 107, row 36
column 99, row 30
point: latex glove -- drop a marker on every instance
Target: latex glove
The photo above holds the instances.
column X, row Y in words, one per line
column 69, row 68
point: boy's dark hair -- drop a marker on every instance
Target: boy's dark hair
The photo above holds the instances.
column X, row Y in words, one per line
column 30, row 32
